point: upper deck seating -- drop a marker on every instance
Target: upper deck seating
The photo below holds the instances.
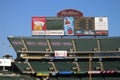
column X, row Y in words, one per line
column 109, row 44
column 86, row 44
column 16, row 43
column 36, row 44
column 61, row 44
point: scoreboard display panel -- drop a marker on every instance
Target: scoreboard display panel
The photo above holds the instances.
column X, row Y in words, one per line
column 84, row 25
column 91, row 26
column 76, row 26
column 54, row 23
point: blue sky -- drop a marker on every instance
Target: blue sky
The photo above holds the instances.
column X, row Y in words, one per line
column 15, row 15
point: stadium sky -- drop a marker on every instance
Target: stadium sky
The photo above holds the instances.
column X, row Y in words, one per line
column 15, row 16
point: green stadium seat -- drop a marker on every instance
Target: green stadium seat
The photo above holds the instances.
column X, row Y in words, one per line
column 113, row 65
column 64, row 65
column 110, row 44
column 16, row 43
column 61, row 44
column 112, row 78
column 52, row 78
column 40, row 66
column 36, row 44
column 96, row 66
column 67, row 78
column 83, row 65
column 86, row 44
column 23, row 66
column 20, row 77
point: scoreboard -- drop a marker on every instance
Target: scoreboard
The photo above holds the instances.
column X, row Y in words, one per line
column 84, row 25
column 91, row 26
column 78, row 26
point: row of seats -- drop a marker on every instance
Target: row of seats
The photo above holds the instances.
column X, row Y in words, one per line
column 86, row 44
column 20, row 77
column 59, row 66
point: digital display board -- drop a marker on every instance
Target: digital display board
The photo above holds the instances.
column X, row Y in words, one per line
column 91, row 26
column 84, row 25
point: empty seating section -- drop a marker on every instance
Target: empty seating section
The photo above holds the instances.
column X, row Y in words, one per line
column 61, row 44
column 20, row 77
column 22, row 66
column 93, row 78
column 95, row 66
column 64, row 65
column 52, row 78
column 36, row 44
column 111, row 65
column 86, row 44
column 96, row 78
column 16, row 43
column 67, row 78
column 112, row 78
column 83, row 65
column 40, row 66
column 110, row 44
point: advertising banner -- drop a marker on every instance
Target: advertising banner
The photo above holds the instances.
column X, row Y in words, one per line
column 68, row 26
column 54, row 26
column 38, row 25
column 101, row 23
column 101, row 26
column 5, row 62
column 54, row 32
column 60, row 53
column 70, row 12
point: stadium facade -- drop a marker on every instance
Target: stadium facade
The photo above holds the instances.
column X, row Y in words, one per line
column 56, row 50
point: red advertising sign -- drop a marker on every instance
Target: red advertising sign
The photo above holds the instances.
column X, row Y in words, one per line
column 70, row 12
column 38, row 25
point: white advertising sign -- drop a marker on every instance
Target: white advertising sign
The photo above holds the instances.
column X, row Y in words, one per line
column 54, row 32
column 38, row 32
column 5, row 62
column 101, row 23
column 60, row 53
